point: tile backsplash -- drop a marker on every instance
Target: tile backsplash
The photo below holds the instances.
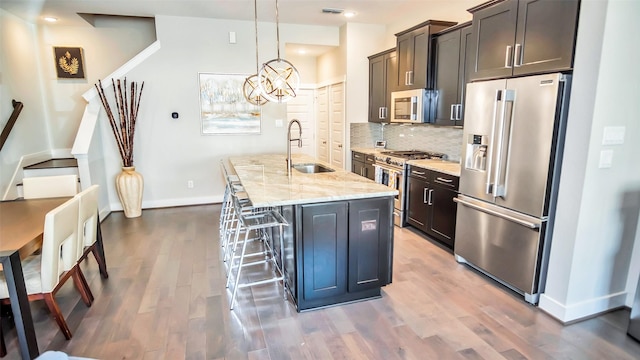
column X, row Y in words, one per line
column 409, row 137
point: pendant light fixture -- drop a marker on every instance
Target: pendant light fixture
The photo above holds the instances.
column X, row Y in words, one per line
column 251, row 87
column 278, row 79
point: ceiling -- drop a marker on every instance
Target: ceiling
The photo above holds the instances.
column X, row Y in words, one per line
column 309, row 12
column 290, row 11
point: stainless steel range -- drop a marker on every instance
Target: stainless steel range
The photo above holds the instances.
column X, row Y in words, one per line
column 391, row 167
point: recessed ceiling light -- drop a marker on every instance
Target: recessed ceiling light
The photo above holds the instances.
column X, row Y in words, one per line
column 349, row 14
column 302, row 51
column 50, row 19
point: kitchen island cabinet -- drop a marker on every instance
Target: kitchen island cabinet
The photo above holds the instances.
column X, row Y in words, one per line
column 338, row 246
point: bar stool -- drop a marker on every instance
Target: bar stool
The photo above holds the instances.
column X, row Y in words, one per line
column 258, row 222
column 234, row 198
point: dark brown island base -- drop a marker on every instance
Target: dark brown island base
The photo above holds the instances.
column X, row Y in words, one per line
column 338, row 247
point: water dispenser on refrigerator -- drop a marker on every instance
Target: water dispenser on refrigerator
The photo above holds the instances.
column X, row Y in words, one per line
column 476, row 152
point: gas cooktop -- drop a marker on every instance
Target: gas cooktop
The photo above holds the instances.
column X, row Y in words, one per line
column 414, row 154
column 399, row 157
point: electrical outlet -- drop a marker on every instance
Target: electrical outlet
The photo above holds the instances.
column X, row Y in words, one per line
column 190, row 184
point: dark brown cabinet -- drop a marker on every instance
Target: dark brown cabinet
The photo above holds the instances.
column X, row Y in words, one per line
column 324, row 233
column 346, row 251
column 453, row 48
column 414, row 49
column 518, row 37
column 430, row 205
column 362, row 164
column 382, row 78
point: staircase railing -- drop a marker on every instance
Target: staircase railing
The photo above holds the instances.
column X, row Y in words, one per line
column 17, row 107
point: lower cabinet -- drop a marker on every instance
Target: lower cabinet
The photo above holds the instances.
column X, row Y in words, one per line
column 431, row 208
column 362, row 164
column 344, row 251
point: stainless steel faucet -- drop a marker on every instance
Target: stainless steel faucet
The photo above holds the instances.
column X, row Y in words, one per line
column 289, row 140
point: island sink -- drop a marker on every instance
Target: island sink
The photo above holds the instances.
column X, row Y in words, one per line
column 312, row 168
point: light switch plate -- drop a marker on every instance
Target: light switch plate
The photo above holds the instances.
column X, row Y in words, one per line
column 613, row 135
column 606, row 159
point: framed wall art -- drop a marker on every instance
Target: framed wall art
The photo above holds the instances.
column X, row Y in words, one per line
column 223, row 107
column 69, row 62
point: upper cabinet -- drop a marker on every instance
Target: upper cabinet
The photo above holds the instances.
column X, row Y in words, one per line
column 382, row 78
column 518, row 37
column 413, row 52
column 453, row 49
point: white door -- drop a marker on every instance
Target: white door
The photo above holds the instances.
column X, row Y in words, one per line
column 301, row 108
column 322, row 118
column 337, row 125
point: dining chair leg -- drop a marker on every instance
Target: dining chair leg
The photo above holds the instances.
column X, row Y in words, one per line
column 98, row 251
column 3, row 347
column 80, row 281
column 57, row 315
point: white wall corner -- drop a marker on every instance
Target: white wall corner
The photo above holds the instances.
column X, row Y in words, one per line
column 582, row 310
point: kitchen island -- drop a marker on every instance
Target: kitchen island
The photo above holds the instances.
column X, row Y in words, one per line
column 338, row 247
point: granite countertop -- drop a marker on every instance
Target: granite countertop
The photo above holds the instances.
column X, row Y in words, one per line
column 265, row 179
column 447, row 167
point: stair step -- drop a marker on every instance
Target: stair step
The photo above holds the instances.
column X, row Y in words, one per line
column 67, row 166
column 54, row 163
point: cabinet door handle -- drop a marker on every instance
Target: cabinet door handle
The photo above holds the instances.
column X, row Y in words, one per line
column 385, row 112
column 324, row 142
column 459, row 117
column 406, row 78
column 507, row 57
column 424, row 196
column 452, row 116
column 429, row 200
column 339, row 146
column 356, row 156
column 410, row 77
column 417, row 172
column 448, row 181
column 517, row 62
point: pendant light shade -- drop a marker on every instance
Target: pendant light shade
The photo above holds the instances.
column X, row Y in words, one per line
column 251, row 88
column 252, row 92
column 278, row 79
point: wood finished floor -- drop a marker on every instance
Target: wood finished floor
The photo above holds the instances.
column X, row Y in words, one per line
column 165, row 299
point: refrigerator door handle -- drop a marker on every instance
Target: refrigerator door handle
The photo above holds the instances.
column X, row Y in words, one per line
column 452, row 116
column 522, row 222
column 500, row 187
column 496, row 105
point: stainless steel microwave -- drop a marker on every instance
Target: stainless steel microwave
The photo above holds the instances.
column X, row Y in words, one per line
column 408, row 106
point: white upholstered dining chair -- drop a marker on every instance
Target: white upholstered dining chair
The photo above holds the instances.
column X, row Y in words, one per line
column 45, row 273
column 88, row 227
column 49, row 186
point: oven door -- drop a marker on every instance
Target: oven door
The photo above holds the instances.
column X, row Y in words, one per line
column 393, row 178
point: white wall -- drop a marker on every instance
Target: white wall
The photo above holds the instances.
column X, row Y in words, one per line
column 597, row 216
column 54, row 107
column 169, row 152
column 20, row 80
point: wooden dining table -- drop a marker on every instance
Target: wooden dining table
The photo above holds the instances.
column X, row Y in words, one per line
column 21, row 229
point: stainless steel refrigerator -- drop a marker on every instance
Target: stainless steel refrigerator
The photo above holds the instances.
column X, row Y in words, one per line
column 511, row 158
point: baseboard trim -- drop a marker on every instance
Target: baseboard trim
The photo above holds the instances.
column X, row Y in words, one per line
column 155, row 204
column 583, row 310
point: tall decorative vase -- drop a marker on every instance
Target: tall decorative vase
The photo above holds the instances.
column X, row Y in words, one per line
column 129, row 185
